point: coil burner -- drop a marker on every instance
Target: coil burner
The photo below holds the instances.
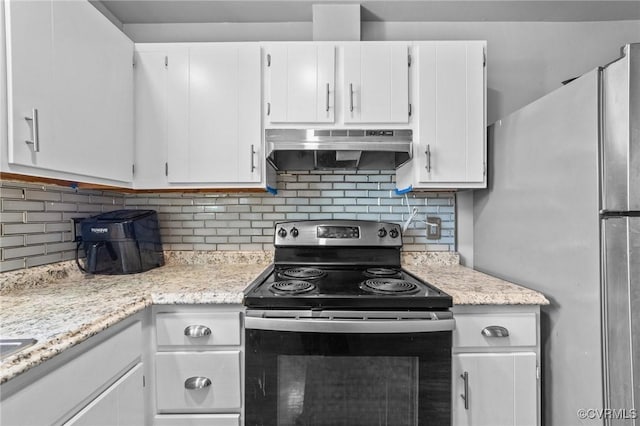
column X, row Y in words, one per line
column 292, row 287
column 381, row 272
column 301, row 273
column 389, row 286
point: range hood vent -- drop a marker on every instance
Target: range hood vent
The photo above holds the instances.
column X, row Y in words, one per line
column 309, row 149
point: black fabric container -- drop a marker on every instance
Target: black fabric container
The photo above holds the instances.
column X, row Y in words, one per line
column 122, row 242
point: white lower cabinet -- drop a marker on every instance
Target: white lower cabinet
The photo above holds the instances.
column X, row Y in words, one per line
column 197, row 360
column 120, row 405
column 96, row 382
column 495, row 366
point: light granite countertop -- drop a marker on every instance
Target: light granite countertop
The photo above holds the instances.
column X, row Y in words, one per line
column 60, row 307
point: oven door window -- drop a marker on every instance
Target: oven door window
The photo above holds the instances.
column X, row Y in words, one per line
column 296, row 379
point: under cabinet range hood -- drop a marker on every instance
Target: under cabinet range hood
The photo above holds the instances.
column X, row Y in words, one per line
column 324, row 149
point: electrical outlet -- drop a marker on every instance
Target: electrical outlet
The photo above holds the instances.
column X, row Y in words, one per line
column 434, row 228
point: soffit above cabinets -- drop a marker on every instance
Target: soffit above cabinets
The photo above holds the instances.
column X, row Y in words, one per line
column 234, row 11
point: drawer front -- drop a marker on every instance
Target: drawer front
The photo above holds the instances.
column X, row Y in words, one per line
column 521, row 329
column 197, row 329
column 198, row 420
column 222, row 369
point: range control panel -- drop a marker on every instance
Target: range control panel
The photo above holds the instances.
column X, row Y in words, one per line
column 338, row 233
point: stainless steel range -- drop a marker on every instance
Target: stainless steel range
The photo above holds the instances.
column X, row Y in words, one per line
column 338, row 333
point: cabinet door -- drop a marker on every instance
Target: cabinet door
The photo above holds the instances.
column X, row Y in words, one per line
column 301, row 82
column 150, row 118
column 122, row 404
column 501, row 389
column 92, row 94
column 376, row 83
column 75, row 67
column 451, row 130
column 214, row 132
column 29, row 81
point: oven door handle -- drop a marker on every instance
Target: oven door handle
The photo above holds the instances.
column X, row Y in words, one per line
column 349, row 326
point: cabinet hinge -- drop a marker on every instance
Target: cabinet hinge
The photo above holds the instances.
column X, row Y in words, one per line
column 166, row 169
column 268, row 59
column 409, row 60
column 166, row 61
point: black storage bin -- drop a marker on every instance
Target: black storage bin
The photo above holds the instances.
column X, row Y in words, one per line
column 122, row 242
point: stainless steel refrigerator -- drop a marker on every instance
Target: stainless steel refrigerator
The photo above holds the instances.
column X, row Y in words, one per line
column 561, row 215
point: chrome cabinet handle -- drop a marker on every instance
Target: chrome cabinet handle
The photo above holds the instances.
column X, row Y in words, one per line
column 253, row 153
column 351, row 97
column 35, row 141
column 495, row 331
column 428, row 154
column 197, row 382
column 327, row 97
column 197, row 331
column 268, row 108
column 465, row 396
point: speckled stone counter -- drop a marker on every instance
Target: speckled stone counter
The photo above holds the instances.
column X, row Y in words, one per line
column 61, row 307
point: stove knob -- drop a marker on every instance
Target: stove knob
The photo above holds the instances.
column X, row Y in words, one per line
column 282, row 232
column 294, row 232
column 394, row 233
column 382, row 232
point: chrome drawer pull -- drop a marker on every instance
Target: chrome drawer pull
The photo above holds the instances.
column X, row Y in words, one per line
column 35, row 126
column 197, row 331
column 197, row 382
column 495, row 331
column 465, row 395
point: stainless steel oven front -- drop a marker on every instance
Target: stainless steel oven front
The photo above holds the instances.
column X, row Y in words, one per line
column 348, row 368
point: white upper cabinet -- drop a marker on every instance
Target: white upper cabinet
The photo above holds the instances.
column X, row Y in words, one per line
column 198, row 115
column 70, row 64
column 376, row 83
column 301, row 81
column 450, row 131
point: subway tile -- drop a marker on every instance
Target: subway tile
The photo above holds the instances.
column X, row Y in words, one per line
column 172, row 239
column 12, row 241
column 15, row 252
column 205, row 231
column 238, row 209
column 332, row 194
column 70, row 197
column 380, row 178
column 320, row 201
column 16, row 205
column 58, row 227
column 204, row 216
column 295, row 185
column 357, row 178
column 54, row 237
column 228, row 231
column 309, row 193
column 249, row 200
column 193, row 224
column 273, row 216
column 378, row 209
column 367, row 201
column 367, row 216
column 193, row 239
column 239, row 224
column 255, row 216
column 307, row 209
column 355, row 194
column 344, row 216
column 368, row 186
column 286, row 209
column 440, row 201
column 180, row 216
column 57, row 247
column 192, row 209
column 213, row 209
column 16, row 217
column 356, row 209
column 250, row 247
column 381, row 194
column 240, row 239
column 216, row 239
column 205, row 247
column 216, row 224
column 42, row 195
column 309, row 178
column 320, row 216
column 250, row 231
column 324, row 185
column 228, row 247
column 331, row 209
column 332, row 178
column 11, row 265
column 46, row 259
column 15, row 193
column 297, row 216
column 262, row 209
column 262, row 239
column 47, row 216
column 346, row 186
column 182, row 246
column 227, row 216
column 298, row 201
column 270, row 230
column 23, row 228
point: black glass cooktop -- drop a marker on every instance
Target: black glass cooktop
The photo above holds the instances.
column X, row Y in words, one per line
column 327, row 287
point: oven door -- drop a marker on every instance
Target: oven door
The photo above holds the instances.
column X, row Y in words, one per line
column 348, row 368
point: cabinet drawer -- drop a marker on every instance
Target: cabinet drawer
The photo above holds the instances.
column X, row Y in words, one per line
column 521, row 330
column 198, row 420
column 221, row 368
column 220, row 328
